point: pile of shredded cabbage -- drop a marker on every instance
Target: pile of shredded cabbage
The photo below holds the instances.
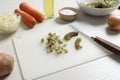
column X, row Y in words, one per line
column 102, row 4
column 9, row 22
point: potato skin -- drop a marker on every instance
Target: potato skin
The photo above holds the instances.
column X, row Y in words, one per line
column 6, row 64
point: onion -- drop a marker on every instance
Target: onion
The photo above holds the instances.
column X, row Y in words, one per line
column 6, row 64
column 114, row 22
column 9, row 23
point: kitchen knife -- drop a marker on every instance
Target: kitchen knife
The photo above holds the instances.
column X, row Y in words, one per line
column 106, row 44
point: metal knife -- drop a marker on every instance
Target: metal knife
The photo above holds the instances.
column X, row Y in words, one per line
column 106, row 44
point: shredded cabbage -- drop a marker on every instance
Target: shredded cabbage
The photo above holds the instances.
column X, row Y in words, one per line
column 9, row 22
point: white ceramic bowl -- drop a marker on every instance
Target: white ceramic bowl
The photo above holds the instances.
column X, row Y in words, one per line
column 68, row 13
column 95, row 11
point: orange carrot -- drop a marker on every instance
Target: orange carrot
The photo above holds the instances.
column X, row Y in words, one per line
column 33, row 12
column 26, row 18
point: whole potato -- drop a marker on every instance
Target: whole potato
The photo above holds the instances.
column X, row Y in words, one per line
column 6, row 64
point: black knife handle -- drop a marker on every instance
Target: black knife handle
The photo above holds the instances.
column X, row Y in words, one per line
column 108, row 45
column 118, row 7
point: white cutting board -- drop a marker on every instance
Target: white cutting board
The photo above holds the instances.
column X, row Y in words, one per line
column 35, row 62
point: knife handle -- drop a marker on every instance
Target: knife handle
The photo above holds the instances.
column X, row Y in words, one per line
column 108, row 45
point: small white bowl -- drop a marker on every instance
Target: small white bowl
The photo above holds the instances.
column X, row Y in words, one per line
column 68, row 13
column 95, row 11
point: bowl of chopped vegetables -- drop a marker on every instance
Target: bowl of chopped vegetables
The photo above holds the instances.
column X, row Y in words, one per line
column 98, row 7
column 9, row 22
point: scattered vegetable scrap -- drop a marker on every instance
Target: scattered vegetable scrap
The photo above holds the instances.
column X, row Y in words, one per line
column 26, row 18
column 69, row 35
column 42, row 40
column 54, row 44
column 77, row 42
column 114, row 22
column 6, row 64
column 33, row 12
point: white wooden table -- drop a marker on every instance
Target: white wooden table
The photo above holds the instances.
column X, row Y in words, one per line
column 105, row 68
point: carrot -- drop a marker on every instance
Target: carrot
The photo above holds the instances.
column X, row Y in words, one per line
column 33, row 12
column 26, row 18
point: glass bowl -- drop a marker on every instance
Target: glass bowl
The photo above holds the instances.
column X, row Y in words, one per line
column 9, row 23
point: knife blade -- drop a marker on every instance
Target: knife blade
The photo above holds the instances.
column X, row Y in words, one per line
column 104, row 43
